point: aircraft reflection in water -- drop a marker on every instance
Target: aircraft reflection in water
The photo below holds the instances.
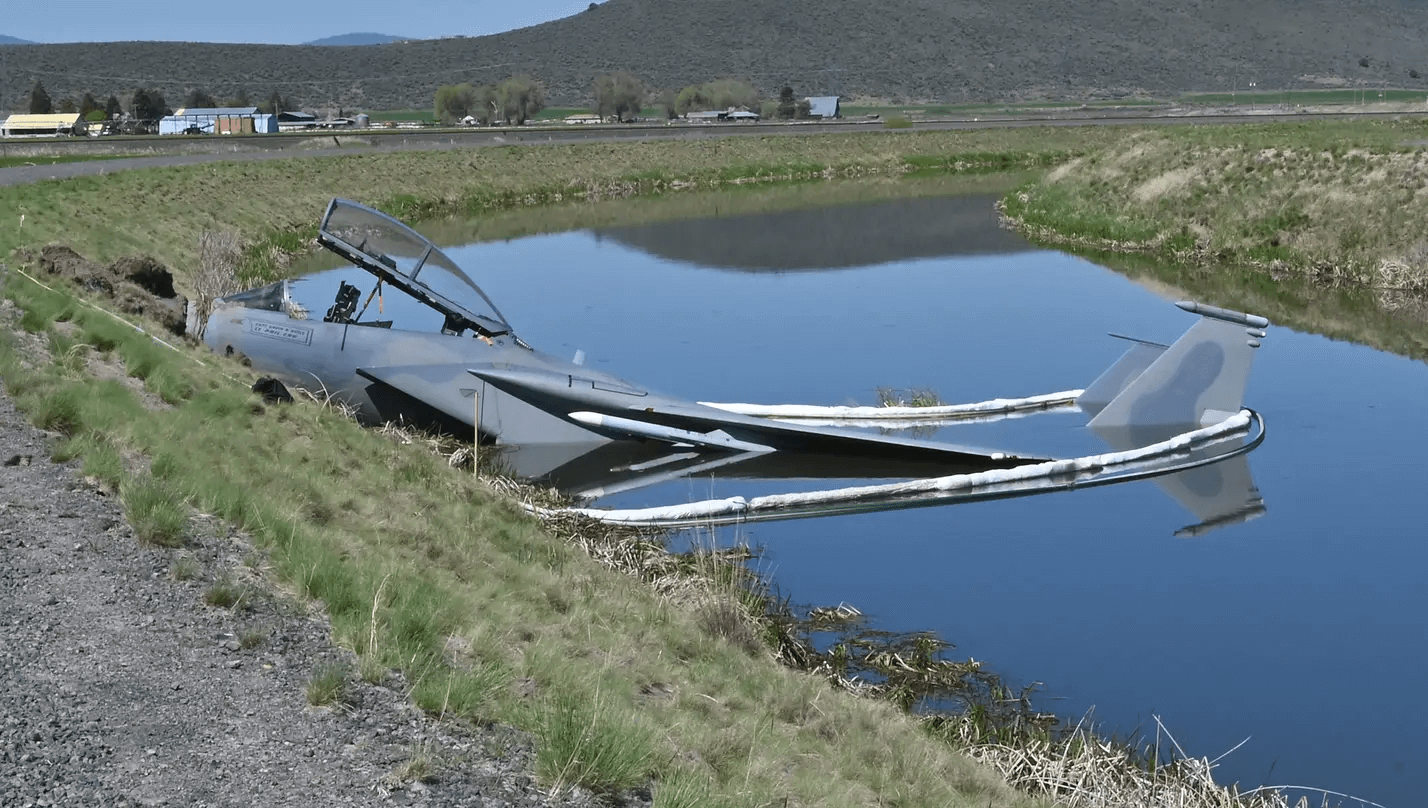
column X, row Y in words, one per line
column 1163, row 409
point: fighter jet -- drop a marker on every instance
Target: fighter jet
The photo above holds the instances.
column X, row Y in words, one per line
column 471, row 371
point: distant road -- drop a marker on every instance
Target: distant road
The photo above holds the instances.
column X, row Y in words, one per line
column 180, row 151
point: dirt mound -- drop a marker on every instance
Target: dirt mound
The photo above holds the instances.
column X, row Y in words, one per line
column 138, row 285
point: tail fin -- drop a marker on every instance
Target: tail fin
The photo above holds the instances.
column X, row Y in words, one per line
column 1199, row 380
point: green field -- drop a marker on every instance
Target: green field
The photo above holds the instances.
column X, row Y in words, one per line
column 1344, row 97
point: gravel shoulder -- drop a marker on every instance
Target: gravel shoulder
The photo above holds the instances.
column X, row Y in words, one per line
column 122, row 687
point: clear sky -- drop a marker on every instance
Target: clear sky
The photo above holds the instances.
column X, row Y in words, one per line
column 286, row 22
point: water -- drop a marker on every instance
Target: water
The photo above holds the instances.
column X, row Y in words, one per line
column 1301, row 630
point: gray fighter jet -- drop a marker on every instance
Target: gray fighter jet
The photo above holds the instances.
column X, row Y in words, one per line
column 470, row 369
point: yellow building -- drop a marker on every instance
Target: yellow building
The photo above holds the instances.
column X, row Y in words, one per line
column 42, row 125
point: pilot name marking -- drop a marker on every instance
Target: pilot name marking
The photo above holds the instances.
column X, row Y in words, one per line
column 289, row 333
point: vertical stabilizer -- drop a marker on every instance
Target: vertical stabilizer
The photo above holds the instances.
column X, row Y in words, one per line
column 1197, row 381
column 1118, row 376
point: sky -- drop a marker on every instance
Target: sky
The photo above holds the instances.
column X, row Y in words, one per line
column 271, row 21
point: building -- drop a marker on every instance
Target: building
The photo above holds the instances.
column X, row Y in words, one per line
column 296, row 121
column 730, row 114
column 824, row 106
column 218, row 121
column 42, row 125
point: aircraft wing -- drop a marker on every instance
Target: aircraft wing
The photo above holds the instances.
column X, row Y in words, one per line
column 614, row 408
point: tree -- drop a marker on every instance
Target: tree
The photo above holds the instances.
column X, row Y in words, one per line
column 87, row 104
column 112, row 109
column 276, row 103
column 668, row 102
column 148, row 105
column 40, row 100
column 692, row 98
column 67, row 106
column 726, row 93
column 803, row 110
column 487, row 109
column 619, row 94
column 454, row 102
column 520, row 99
column 787, row 107
column 239, row 100
column 720, row 94
column 199, row 99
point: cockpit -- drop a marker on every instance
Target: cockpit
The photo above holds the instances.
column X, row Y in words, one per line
column 400, row 259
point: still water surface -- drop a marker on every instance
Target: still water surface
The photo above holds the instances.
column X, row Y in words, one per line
column 1302, row 630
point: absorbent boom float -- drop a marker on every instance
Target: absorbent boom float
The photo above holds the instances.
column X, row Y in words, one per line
column 470, row 369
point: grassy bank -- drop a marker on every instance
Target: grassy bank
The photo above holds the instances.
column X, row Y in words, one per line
column 160, row 212
column 1317, row 225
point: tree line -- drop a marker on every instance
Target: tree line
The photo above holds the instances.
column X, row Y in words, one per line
column 147, row 104
column 515, row 100
column 620, row 95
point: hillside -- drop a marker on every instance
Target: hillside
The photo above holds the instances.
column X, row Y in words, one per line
column 10, row 40
column 896, row 50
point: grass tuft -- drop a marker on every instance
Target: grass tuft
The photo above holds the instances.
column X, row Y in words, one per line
column 224, row 593
column 589, row 743
column 156, row 514
column 328, row 685
column 184, row 568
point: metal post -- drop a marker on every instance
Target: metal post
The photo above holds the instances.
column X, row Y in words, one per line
column 476, row 433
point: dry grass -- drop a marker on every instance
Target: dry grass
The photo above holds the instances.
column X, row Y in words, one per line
column 219, row 254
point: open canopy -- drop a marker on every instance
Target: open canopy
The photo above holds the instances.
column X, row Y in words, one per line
column 404, row 258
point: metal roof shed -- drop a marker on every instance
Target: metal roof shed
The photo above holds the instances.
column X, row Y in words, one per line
column 824, row 106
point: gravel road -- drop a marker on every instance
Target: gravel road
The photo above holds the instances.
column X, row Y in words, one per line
column 122, row 688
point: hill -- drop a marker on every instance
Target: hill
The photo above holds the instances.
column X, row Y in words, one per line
column 10, row 40
column 363, row 38
column 895, row 50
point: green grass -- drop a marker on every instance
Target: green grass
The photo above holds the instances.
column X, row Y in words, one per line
column 224, row 593
column 10, row 161
column 1360, row 95
column 328, row 685
column 588, row 742
column 157, row 516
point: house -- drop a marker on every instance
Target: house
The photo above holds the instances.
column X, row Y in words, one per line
column 824, row 106
column 42, row 125
column 218, row 121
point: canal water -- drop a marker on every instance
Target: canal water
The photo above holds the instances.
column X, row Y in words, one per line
column 1296, row 624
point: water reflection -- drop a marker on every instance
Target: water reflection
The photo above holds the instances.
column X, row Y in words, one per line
column 828, row 238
